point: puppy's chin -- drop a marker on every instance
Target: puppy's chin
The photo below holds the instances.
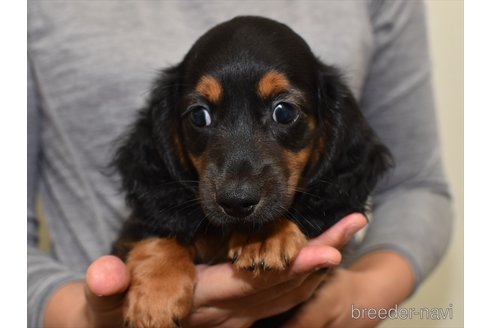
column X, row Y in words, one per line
column 260, row 217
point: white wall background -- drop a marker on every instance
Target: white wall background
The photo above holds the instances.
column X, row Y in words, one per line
column 445, row 285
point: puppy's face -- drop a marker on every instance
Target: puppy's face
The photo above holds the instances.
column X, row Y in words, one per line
column 249, row 123
column 267, row 129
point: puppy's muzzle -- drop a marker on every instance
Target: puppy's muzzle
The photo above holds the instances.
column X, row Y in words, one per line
column 238, row 198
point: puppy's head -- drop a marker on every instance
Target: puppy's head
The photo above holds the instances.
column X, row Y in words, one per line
column 248, row 118
column 257, row 120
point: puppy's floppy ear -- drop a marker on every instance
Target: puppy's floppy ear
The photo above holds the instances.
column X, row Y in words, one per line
column 148, row 156
column 352, row 157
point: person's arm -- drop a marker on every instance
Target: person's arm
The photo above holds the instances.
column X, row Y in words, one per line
column 44, row 275
column 412, row 205
column 412, row 216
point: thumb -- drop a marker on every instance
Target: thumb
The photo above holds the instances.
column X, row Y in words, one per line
column 107, row 279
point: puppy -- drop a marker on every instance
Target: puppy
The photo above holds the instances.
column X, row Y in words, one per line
column 245, row 149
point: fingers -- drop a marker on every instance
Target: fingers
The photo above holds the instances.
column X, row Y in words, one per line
column 295, row 286
column 327, row 307
column 240, row 311
column 311, row 314
column 322, row 252
column 339, row 234
column 313, row 257
column 107, row 279
column 287, row 300
column 265, row 303
column 222, row 282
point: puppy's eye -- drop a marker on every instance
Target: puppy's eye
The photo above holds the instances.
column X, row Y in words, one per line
column 200, row 116
column 284, row 113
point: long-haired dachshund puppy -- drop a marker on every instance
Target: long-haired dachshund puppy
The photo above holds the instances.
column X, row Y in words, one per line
column 245, row 149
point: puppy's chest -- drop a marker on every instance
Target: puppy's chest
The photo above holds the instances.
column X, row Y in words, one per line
column 211, row 248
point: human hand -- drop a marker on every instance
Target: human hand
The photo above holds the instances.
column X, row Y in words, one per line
column 227, row 298
column 95, row 302
column 223, row 296
column 377, row 281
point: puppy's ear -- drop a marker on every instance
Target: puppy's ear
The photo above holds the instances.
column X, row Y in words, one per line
column 352, row 157
column 148, row 155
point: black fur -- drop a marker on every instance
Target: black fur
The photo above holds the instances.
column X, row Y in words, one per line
column 162, row 186
column 353, row 161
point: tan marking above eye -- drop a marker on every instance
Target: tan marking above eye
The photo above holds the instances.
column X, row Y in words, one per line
column 209, row 88
column 272, row 83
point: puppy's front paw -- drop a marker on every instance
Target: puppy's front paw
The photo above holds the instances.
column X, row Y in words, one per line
column 162, row 284
column 152, row 302
column 273, row 249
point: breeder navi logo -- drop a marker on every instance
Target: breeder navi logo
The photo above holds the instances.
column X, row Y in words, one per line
column 402, row 313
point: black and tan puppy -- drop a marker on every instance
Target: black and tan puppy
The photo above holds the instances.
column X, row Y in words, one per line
column 245, row 149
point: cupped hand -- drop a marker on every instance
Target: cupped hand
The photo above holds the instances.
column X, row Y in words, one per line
column 359, row 296
column 223, row 296
column 227, row 298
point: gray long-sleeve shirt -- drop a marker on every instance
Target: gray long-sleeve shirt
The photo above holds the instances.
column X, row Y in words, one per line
column 90, row 65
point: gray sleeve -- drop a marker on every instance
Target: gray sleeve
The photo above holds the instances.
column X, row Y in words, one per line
column 44, row 275
column 412, row 205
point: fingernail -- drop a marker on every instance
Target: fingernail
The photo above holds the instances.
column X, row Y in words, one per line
column 352, row 230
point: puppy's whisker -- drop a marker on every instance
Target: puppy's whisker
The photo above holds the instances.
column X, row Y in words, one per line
column 293, row 217
column 180, row 182
column 328, row 182
column 180, row 185
column 304, row 192
column 336, row 185
column 305, row 219
column 202, row 220
column 189, row 206
column 183, row 205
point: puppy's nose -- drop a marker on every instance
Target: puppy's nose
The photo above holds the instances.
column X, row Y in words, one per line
column 238, row 200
